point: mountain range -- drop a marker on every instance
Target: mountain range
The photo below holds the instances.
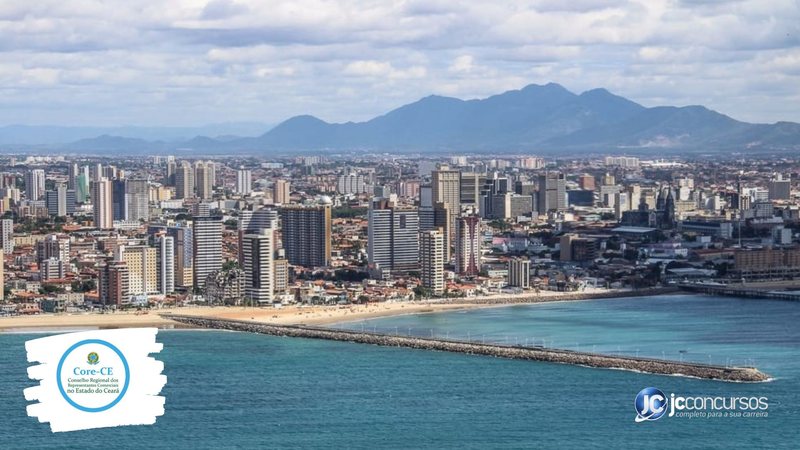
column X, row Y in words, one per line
column 540, row 118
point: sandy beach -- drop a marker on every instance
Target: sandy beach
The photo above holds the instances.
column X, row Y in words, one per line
column 309, row 315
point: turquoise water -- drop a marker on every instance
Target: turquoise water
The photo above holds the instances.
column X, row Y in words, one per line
column 234, row 390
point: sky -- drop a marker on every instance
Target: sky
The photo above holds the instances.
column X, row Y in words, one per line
column 192, row 62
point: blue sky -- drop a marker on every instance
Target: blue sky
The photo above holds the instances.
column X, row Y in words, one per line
column 188, row 62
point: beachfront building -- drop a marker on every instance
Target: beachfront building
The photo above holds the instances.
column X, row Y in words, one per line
column 206, row 248
column 258, row 266
column 142, row 262
column 468, row 245
column 393, row 237
column 307, row 234
column 432, row 260
column 112, row 283
column 519, row 273
column 166, row 264
column 184, row 254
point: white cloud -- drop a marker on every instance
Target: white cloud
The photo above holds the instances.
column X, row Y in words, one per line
column 193, row 61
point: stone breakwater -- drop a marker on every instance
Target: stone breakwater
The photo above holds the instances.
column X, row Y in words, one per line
column 647, row 365
column 567, row 296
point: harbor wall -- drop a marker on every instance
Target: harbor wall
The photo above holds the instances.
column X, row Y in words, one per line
column 647, row 365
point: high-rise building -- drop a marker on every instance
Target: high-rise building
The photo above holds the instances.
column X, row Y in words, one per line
column 169, row 178
column 204, row 179
column 2, row 275
column 307, row 235
column 52, row 269
column 393, row 236
column 780, row 189
column 34, row 184
column 519, row 273
column 184, row 181
column 137, row 197
column 586, row 182
column 184, row 254
column 468, row 245
column 280, row 192
column 103, row 206
column 552, row 195
column 574, row 248
column 73, row 171
column 258, row 266
column 244, row 181
column 142, row 262
column 96, row 172
column 446, row 188
column 119, row 201
column 112, row 283
column 82, row 188
column 166, row 264
column 53, row 246
column 281, row 273
column 7, row 236
column 565, row 244
column 437, row 217
column 351, row 183
column 253, row 222
column 470, row 189
column 431, row 245
column 207, row 248
column 60, row 202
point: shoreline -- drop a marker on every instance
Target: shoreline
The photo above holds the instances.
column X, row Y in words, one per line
column 298, row 315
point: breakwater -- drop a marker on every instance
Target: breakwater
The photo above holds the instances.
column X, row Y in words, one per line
column 647, row 365
column 565, row 296
column 740, row 291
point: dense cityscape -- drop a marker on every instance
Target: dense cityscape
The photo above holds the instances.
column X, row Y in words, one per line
column 100, row 234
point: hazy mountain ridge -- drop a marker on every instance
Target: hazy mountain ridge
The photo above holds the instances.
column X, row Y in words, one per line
column 546, row 118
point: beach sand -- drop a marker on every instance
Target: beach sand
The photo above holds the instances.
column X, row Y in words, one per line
column 308, row 315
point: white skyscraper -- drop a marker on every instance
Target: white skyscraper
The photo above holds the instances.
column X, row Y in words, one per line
column 206, row 248
column 258, row 266
column 103, row 204
column 7, row 235
column 244, row 181
column 166, row 264
column 34, row 184
column 431, row 249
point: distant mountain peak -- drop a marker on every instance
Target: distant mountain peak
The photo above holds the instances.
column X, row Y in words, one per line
column 537, row 118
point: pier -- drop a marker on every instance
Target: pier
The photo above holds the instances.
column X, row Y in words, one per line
column 740, row 291
column 535, row 353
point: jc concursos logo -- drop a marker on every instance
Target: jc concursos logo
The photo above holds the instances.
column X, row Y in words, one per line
column 650, row 404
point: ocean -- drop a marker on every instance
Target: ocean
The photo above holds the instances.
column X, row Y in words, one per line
column 237, row 390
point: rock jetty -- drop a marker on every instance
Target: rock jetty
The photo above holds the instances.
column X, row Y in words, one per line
column 646, row 365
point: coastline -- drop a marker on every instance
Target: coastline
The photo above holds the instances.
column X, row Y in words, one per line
column 294, row 315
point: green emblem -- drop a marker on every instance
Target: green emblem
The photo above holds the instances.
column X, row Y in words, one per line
column 93, row 358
